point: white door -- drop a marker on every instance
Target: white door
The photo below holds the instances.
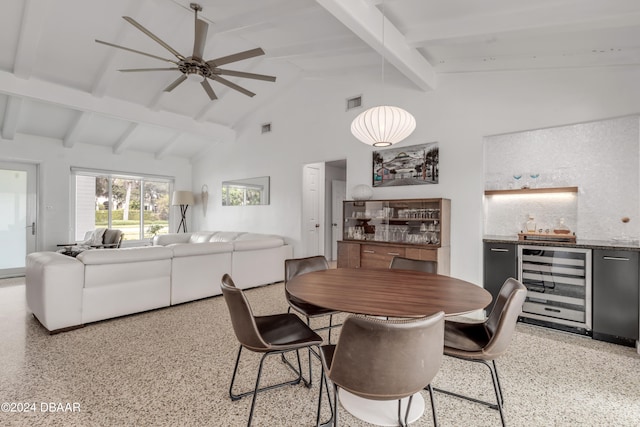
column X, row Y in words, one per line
column 312, row 222
column 338, row 195
column 17, row 216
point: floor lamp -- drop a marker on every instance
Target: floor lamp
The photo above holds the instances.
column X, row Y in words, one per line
column 182, row 199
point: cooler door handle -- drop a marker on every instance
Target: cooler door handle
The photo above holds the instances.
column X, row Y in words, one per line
column 615, row 258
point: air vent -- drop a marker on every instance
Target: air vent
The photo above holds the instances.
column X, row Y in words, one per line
column 266, row 127
column 354, row 102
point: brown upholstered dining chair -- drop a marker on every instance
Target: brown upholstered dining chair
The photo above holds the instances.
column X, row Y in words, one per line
column 272, row 334
column 485, row 341
column 402, row 263
column 382, row 359
column 295, row 267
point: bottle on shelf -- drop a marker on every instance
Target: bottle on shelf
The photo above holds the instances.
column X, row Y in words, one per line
column 531, row 224
column 561, row 227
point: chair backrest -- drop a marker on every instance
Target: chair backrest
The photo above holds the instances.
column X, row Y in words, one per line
column 297, row 266
column 242, row 319
column 112, row 236
column 502, row 320
column 387, row 359
column 401, row 263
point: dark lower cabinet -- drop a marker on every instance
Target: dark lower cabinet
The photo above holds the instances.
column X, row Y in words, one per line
column 500, row 263
column 615, row 295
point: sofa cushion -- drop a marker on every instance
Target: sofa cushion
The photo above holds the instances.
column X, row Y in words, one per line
column 168, row 239
column 263, row 242
column 125, row 255
column 226, row 236
column 189, row 249
column 200, row 236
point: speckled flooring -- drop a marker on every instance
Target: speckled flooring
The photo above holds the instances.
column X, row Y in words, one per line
column 171, row 367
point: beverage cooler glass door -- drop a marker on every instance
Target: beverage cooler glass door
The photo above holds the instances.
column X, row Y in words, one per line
column 558, row 282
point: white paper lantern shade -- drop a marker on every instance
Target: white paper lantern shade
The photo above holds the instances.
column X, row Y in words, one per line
column 383, row 126
column 361, row 192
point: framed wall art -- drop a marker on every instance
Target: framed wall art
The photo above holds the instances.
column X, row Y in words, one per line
column 412, row 165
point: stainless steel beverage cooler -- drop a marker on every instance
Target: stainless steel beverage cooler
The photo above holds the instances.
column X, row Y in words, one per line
column 558, row 281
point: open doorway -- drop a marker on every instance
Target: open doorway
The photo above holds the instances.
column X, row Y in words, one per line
column 324, row 190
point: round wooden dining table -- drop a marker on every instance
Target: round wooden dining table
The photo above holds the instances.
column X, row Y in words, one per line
column 393, row 293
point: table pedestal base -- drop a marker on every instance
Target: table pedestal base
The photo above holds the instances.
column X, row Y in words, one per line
column 381, row 412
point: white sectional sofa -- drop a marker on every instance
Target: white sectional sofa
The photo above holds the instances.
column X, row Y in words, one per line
column 65, row 292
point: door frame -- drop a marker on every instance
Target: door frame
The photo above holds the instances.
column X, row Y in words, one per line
column 324, row 217
column 336, row 220
column 306, row 201
column 32, row 216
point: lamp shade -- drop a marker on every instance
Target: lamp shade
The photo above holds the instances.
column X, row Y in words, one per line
column 182, row 198
column 383, row 125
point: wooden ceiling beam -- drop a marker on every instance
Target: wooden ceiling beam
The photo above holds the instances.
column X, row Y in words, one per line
column 11, row 117
column 366, row 21
column 75, row 99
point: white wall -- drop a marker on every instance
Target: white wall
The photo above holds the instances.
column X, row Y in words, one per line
column 601, row 158
column 310, row 124
column 55, row 162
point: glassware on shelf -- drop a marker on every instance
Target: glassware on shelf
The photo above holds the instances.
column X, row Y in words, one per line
column 516, row 177
column 534, row 179
column 624, row 237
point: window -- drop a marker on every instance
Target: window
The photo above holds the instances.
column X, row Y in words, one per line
column 137, row 205
column 242, row 192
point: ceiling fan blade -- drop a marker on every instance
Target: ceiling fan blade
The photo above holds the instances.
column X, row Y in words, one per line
column 244, row 74
column 232, row 85
column 137, row 51
column 153, row 36
column 173, row 85
column 207, row 87
column 135, row 70
column 236, row 57
column 200, row 38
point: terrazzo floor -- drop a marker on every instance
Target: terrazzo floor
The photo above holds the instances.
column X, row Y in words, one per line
column 172, row 367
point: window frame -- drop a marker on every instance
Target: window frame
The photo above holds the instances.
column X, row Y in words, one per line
column 111, row 175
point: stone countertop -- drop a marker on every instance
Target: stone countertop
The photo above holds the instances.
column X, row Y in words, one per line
column 632, row 245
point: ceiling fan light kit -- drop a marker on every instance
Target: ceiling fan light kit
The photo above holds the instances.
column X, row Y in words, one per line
column 194, row 68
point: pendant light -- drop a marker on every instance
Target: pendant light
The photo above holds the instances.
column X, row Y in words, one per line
column 383, row 125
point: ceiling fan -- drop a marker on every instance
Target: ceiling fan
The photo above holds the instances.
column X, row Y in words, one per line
column 194, row 67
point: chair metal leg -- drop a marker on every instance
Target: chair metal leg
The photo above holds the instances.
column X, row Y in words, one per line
column 325, row 383
column 257, row 388
column 495, row 369
column 308, row 384
column 433, row 405
column 496, row 387
column 335, row 405
column 406, row 413
column 233, row 377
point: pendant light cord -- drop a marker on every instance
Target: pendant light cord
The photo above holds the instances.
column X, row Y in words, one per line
column 383, row 53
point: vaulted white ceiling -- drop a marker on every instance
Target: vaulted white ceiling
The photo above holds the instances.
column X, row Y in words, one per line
column 56, row 82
